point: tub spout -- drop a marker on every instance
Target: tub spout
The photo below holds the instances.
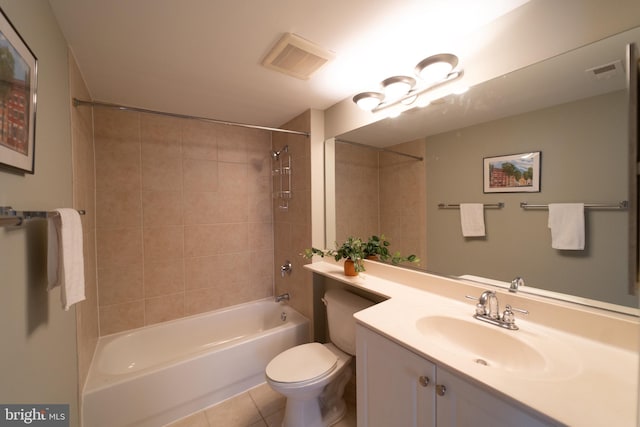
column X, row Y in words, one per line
column 283, row 297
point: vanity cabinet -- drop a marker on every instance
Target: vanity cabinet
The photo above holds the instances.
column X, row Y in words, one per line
column 397, row 387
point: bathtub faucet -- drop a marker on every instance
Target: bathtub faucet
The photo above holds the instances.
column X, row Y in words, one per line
column 283, row 297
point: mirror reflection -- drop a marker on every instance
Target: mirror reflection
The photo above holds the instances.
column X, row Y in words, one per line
column 573, row 109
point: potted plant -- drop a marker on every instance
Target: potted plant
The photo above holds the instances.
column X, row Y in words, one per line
column 377, row 248
column 354, row 250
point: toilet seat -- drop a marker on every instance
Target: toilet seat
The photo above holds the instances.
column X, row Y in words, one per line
column 302, row 363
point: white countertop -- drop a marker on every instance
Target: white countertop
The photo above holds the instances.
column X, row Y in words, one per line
column 590, row 376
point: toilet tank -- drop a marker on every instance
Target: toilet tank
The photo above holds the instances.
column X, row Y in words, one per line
column 341, row 305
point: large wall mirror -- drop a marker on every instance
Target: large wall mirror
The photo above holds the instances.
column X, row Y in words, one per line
column 573, row 109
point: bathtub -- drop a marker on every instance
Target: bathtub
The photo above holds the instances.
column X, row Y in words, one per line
column 157, row 374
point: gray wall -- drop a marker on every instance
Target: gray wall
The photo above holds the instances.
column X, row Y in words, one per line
column 38, row 357
column 582, row 161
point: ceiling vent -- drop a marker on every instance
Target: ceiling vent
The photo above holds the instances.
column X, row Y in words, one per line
column 605, row 71
column 296, row 57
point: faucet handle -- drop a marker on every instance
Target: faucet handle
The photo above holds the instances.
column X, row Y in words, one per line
column 508, row 316
column 481, row 309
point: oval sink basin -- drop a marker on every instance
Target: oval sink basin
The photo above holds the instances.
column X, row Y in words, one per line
column 485, row 344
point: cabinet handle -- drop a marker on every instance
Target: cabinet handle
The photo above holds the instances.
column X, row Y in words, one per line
column 424, row 381
column 440, row 389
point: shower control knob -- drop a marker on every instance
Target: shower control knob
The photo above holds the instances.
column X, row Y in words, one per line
column 424, row 381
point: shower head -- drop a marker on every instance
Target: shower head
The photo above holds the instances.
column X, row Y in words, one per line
column 276, row 154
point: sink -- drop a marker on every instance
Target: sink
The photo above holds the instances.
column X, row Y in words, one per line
column 484, row 344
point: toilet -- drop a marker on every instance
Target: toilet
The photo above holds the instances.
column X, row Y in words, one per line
column 312, row 376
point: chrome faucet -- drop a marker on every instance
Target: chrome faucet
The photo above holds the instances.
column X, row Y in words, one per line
column 487, row 310
column 516, row 283
column 283, row 297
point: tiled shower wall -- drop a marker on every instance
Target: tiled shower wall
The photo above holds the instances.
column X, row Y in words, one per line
column 183, row 215
column 382, row 193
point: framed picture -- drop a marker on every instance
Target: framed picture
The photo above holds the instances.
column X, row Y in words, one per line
column 18, row 78
column 514, row 173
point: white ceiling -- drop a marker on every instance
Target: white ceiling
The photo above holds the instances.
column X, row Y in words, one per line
column 202, row 57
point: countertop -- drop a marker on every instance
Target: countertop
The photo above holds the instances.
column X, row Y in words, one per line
column 590, row 373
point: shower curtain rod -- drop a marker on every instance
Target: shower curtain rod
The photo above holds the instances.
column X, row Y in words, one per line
column 79, row 102
column 386, row 150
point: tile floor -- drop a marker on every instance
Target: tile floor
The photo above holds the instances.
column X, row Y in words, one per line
column 258, row 407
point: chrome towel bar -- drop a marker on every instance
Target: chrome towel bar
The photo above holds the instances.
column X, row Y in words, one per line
column 11, row 217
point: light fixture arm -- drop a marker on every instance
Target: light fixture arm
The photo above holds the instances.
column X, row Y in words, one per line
column 451, row 77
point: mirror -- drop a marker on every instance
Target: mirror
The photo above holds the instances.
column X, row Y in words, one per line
column 572, row 108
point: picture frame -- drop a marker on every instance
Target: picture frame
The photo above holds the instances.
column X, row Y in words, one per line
column 18, row 86
column 513, row 173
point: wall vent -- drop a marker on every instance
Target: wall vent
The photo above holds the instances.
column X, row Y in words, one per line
column 605, row 71
column 296, row 57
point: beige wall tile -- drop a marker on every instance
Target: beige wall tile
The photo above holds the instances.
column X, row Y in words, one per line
column 163, row 308
column 200, row 175
column 118, row 209
column 206, row 240
column 163, row 243
column 194, row 208
column 161, row 173
column 121, row 317
column 163, row 277
column 199, row 140
column 119, row 247
column 233, row 178
column 214, row 208
column 116, row 125
column 162, row 208
column 202, row 300
column 120, row 284
column 213, row 271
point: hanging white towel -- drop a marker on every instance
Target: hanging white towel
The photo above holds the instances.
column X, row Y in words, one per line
column 566, row 221
column 472, row 219
column 65, row 259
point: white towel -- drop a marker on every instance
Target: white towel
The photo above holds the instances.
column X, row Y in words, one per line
column 65, row 259
column 566, row 221
column 472, row 219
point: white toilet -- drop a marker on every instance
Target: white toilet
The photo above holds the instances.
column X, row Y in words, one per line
column 313, row 376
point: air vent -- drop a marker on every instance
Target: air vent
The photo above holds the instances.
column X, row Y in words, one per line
column 605, row 71
column 296, row 57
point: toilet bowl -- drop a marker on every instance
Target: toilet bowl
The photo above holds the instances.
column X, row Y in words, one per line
column 313, row 376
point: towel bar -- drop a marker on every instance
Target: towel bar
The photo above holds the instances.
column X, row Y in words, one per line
column 10, row 217
column 499, row 205
column 619, row 205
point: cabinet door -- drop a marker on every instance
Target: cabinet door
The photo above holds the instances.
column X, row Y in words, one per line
column 465, row 404
column 395, row 387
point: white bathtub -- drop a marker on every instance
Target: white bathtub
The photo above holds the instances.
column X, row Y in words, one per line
column 156, row 374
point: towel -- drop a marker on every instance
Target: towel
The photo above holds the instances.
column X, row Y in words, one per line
column 566, row 221
column 65, row 259
column 472, row 219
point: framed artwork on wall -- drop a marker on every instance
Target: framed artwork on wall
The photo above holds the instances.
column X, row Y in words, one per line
column 513, row 173
column 18, row 81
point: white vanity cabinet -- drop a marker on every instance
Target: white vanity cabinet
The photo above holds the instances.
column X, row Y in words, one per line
column 396, row 387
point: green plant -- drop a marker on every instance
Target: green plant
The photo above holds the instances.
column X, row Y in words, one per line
column 352, row 249
column 356, row 250
column 378, row 246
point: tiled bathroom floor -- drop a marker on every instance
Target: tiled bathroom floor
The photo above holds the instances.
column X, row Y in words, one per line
column 258, row 407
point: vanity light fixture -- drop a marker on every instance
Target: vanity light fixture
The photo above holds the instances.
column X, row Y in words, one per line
column 436, row 67
column 397, row 86
column 368, row 100
column 432, row 72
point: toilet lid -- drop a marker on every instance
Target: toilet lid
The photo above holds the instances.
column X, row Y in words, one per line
column 301, row 363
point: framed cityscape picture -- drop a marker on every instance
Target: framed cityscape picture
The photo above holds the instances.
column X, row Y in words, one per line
column 18, row 81
column 514, row 173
